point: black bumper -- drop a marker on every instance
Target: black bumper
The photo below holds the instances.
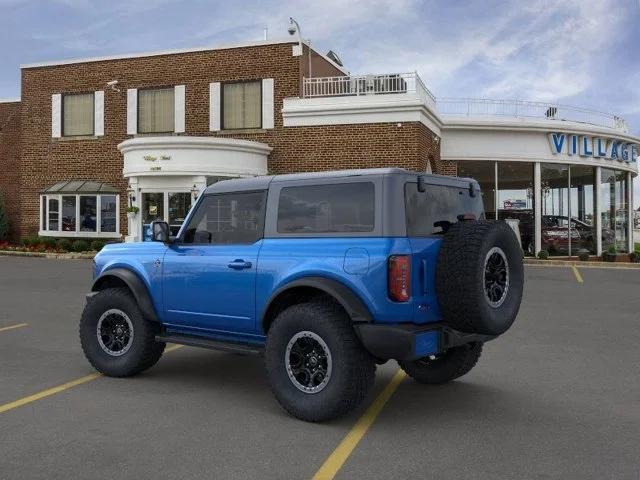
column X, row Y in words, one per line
column 406, row 341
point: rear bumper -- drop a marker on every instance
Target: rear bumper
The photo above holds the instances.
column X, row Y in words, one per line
column 407, row 341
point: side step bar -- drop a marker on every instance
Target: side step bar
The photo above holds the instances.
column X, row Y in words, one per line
column 201, row 342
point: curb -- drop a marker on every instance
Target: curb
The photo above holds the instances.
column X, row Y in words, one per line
column 577, row 263
column 57, row 256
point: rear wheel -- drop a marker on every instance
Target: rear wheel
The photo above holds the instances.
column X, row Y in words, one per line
column 444, row 367
column 317, row 368
column 115, row 337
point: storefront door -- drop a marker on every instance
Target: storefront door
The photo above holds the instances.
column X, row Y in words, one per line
column 171, row 207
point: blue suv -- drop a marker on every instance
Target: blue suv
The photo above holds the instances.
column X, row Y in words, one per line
column 325, row 274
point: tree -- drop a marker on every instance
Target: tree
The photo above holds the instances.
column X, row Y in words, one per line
column 4, row 221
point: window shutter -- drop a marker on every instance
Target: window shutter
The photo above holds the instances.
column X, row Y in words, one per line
column 267, row 103
column 179, row 91
column 98, row 113
column 214, row 107
column 132, row 111
column 56, row 115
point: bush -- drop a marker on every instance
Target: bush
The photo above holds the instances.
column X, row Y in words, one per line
column 612, row 250
column 583, row 255
column 48, row 242
column 543, row 254
column 97, row 245
column 64, row 244
column 4, row 221
column 80, row 246
column 31, row 241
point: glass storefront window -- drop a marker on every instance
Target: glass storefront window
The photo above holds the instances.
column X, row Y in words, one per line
column 88, row 217
column 69, row 213
column 54, row 213
column 582, row 190
column 485, row 174
column 516, row 200
column 108, row 213
column 555, row 208
column 614, row 210
column 179, row 205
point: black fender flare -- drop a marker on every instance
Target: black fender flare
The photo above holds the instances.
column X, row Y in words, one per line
column 135, row 284
column 345, row 296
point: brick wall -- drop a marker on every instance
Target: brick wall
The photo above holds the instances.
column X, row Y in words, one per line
column 9, row 160
column 45, row 161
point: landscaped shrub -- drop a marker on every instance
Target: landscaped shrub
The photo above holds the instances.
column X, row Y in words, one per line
column 4, row 221
column 80, row 246
column 543, row 254
column 48, row 242
column 583, row 255
column 64, row 244
column 97, row 245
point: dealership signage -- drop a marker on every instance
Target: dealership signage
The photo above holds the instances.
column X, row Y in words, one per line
column 592, row 146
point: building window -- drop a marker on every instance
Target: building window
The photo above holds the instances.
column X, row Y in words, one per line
column 485, row 174
column 77, row 215
column 156, row 110
column 78, row 114
column 516, row 200
column 242, row 105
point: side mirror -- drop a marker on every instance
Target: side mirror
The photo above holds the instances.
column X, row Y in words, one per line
column 160, row 231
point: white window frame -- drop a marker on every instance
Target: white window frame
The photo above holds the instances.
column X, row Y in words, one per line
column 78, row 233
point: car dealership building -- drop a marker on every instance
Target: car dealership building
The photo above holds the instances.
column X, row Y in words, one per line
column 100, row 147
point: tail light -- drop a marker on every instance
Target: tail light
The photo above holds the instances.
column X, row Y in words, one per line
column 399, row 278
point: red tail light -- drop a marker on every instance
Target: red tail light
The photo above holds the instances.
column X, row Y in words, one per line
column 400, row 278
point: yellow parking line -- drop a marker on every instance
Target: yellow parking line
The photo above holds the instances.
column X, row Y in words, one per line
column 11, row 327
column 332, row 465
column 60, row 388
column 577, row 274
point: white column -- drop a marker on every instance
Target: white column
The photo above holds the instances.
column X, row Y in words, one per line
column 537, row 207
column 598, row 219
column 630, row 211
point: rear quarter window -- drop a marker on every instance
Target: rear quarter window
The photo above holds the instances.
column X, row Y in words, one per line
column 331, row 208
column 438, row 203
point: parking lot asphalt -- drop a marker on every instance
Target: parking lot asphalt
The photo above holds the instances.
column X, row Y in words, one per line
column 558, row 396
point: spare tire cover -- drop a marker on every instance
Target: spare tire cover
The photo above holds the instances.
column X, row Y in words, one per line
column 479, row 277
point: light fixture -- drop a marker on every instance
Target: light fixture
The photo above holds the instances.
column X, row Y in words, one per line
column 294, row 27
column 132, row 195
column 195, row 192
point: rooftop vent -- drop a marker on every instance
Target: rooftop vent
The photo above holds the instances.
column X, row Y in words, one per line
column 334, row 56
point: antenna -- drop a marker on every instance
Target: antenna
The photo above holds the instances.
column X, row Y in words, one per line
column 266, row 33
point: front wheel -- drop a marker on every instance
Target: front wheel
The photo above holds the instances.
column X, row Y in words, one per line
column 115, row 337
column 316, row 366
column 443, row 368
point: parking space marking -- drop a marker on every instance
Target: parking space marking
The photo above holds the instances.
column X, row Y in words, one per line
column 61, row 388
column 11, row 327
column 576, row 272
column 334, row 463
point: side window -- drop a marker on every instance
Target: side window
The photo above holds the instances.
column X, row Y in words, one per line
column 336, row 208
column 228, row 218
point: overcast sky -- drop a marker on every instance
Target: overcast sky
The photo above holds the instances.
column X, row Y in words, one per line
column 580, row 52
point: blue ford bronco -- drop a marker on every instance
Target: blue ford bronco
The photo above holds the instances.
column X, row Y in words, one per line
column 325, row 274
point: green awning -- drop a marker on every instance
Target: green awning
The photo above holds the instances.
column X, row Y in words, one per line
column 80, row 186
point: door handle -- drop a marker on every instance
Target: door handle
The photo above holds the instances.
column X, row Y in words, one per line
column 239, row 264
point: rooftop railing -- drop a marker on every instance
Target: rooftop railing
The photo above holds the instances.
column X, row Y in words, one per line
column 411, row 83
column 357, row 85
column 523, row 109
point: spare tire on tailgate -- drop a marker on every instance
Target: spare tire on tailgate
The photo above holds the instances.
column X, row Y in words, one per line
column 479, row 277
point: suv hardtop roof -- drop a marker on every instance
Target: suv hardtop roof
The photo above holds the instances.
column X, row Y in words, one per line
column 263, row 182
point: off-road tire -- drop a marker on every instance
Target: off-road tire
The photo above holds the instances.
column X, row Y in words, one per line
column 353, row 369
column 460, row 277
column 144, row 351
column 448, row 366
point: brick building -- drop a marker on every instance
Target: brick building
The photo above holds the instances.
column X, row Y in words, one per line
column 91, row 138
